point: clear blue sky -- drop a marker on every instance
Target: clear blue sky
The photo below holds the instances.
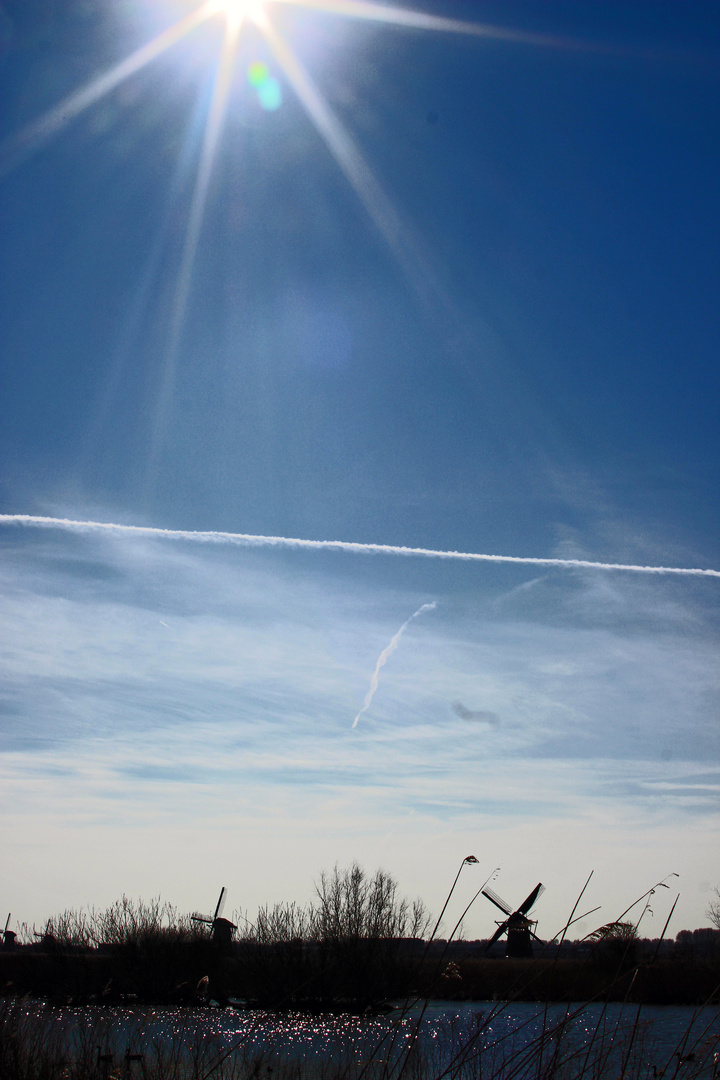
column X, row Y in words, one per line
column 452, row 290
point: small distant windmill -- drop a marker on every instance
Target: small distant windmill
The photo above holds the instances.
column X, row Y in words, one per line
column 47, row 938
column 222, row 929
column 517, row 925
column 7, row 935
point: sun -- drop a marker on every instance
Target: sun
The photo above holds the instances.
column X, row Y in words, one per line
column 236, row 11
column 236, row 15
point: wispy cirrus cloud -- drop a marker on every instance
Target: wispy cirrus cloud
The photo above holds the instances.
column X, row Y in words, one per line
column 236, row 710
column 249, row 644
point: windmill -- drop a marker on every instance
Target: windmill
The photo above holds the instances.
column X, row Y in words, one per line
column 222, row 929
column 7, row 935
column 518, row 926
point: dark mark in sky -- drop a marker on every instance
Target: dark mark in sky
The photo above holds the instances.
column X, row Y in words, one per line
column 481, row 715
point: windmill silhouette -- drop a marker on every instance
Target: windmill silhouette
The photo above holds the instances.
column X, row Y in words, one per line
column 8, row 936
column 517, row 925
column 222, row 929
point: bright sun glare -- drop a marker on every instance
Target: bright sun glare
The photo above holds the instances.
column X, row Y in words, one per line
column 237, row 10
column 268, row 89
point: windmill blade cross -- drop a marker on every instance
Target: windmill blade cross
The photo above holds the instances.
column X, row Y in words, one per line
column 198, row 917
column 498, row 901
column 7, row 923
column 530, row 900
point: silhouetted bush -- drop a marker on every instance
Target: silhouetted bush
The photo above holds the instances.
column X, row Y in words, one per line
column 357, row 944
column 348, row 946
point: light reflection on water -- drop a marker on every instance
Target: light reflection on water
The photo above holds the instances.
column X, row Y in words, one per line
column 468, row 1039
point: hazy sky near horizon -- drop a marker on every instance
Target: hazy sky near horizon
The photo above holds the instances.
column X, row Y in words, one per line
column 401, row 285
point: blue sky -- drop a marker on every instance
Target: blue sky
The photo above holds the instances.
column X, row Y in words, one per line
column 454, row 290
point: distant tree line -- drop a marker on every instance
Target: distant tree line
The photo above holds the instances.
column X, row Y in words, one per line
column 358, row 943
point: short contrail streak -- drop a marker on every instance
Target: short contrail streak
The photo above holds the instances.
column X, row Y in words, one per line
column 250, row 540
column 385, row 655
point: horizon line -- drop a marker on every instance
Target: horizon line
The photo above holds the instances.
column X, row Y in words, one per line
column 256, row 540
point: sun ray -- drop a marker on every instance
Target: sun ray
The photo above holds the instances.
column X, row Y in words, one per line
column 213, row 128
column 364, row 9
column 396, row 233
column 16, row 147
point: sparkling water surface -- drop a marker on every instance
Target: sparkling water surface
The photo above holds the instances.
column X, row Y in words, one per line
column 468, row 1039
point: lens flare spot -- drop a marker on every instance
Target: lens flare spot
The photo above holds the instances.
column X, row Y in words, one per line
column 258, row 74
column 270, row 95
column 268, row 89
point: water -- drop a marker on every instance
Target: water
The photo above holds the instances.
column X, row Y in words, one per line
column 468, row 1041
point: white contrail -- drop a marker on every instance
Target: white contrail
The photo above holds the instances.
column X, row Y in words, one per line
column 384, row 656
column 250, row 540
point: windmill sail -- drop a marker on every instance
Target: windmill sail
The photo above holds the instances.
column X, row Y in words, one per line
column 221, row 903
column 530, row 900
column 212, row 920
column 197, row 916
column 502, row 927
column 496, row 900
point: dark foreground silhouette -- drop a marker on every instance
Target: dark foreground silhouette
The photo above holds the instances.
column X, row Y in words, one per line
column 358, row 947
column 315, row 978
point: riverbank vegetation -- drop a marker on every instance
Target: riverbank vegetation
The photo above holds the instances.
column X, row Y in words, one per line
column 358, row 945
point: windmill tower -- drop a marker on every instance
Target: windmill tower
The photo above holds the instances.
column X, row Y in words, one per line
column 8, row 936
column 222, row 929
column 517, row 925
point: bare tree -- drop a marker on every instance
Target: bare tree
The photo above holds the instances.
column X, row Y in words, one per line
column 350, row 905
column 361, row 926
column 712, row 911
